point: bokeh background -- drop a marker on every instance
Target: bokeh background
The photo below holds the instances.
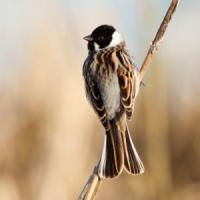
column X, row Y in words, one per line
column 50, row 138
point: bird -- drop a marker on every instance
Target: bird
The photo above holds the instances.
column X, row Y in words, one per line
column 112, row 83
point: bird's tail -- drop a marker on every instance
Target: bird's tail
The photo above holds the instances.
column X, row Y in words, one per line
column 132, row 162
column 112, row 159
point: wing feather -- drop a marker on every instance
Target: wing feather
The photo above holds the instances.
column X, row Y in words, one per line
column 93, row 94
column 127, row 82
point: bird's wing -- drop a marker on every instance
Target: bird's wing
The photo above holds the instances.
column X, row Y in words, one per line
column 93, row 94
column 127, row 76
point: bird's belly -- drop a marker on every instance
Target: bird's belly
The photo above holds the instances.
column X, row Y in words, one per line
column 110, row 94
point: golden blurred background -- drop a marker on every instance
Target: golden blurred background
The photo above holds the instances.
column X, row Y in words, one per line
column 50, row 138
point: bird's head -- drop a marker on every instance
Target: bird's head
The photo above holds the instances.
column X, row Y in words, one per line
column 102, row 37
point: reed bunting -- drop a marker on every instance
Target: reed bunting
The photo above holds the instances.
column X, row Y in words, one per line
column 112, row 84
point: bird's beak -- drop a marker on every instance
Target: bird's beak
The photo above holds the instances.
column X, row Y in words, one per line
column 88, row 38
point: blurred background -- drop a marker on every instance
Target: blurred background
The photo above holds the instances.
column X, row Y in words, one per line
column 50, row 138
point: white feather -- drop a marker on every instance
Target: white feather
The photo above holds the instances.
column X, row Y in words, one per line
column 103, row 159
column 116, row 39
column 96, row 47
column 137, row 156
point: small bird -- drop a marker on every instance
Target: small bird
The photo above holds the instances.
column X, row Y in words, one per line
column 112, row 84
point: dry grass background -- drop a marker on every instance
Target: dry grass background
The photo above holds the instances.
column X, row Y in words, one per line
column 50, row 138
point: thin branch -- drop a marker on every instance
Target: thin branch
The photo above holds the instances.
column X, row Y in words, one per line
column 90, row 189
column 158, row 38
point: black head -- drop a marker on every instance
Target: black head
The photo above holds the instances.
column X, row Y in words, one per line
column 101, row 36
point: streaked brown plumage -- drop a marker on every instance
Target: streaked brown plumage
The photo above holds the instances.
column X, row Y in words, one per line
column 112, row 84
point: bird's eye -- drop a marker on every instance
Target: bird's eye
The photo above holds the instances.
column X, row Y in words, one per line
column 100, row 38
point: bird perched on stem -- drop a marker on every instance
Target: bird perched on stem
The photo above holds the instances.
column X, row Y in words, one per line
column 112, row 83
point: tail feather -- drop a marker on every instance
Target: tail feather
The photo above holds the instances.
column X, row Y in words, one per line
column 118, row 153
column 112, row 159
column 132, row 161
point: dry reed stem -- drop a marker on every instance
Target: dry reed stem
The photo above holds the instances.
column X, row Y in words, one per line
column 158, row 38
column 90, row 189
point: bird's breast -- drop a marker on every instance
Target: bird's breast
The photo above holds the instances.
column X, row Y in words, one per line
column 110, row 93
